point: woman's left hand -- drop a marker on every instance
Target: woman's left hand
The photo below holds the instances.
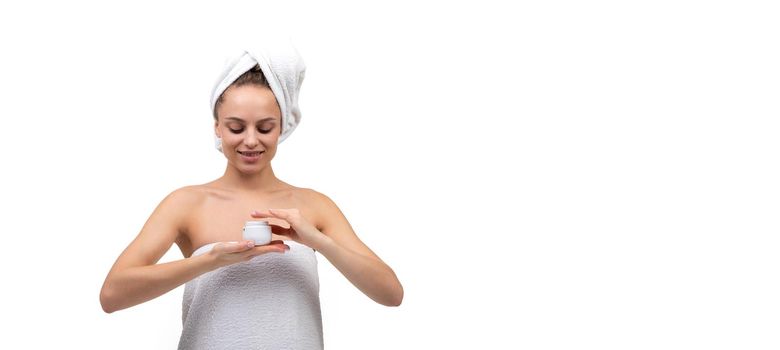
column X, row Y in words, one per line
column 299, row 229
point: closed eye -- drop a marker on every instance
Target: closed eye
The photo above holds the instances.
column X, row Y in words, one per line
column 238, row 131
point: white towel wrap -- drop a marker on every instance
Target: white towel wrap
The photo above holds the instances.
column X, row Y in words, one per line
column 282, row 66
column 269, row 302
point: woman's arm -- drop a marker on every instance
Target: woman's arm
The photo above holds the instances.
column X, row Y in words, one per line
column 136, row 277
column 371, row 275
column 135, row 285
column 334, row 238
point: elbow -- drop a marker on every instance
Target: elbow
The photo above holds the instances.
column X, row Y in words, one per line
column 397, row 297
column 400, row 296
column 106, row 301
column 395, row 302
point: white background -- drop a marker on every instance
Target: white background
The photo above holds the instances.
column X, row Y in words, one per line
column 554, row 175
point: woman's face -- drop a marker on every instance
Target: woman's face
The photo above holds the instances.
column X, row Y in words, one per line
column 249, row 123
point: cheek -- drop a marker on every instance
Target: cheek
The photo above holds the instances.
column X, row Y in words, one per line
column 231, row 139
column 270, row 137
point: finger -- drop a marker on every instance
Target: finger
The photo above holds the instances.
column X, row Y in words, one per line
column 279, row 229
column 233, row 247
column 272, row 213
column 291, row 215
column 273, row 243
column 270, row 248
column 280, row 213
column 261, row 214
column 278, row 225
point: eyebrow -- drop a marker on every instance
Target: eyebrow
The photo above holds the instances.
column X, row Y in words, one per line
column 243, row 121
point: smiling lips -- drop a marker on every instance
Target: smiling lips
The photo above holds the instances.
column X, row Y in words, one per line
column 250, row 156
column 250, row 153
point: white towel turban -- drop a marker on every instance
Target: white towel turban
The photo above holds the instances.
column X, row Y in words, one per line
column 284, row 69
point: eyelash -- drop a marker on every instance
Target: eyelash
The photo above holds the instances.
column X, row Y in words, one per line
column 238, row 131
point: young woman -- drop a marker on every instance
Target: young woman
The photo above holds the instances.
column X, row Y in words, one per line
column 237, row 294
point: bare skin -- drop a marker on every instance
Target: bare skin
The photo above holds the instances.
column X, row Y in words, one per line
column 192, row 216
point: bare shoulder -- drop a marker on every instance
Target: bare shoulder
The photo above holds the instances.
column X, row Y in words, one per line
column 331, row 221
column 321, row 208
column 184, row 198
column 163, row 227
column 181, row 203
column 315, row 200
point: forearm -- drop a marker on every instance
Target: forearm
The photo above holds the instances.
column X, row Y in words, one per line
column 135, row 285
column 373, row 277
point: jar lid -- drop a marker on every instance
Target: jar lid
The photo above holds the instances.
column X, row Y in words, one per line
column 256, row 223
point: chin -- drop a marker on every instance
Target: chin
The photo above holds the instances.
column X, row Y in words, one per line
column 251, row 168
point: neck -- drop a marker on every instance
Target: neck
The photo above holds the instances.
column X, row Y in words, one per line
column 263, row 181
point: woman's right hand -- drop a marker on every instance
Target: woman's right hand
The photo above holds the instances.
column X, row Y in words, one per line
column 227, row 253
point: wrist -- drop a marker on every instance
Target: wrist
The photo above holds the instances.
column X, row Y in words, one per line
column 323, row 243
column 204, row 262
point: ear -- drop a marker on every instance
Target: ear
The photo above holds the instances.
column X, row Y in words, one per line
column 216, row 129
column 218, row 143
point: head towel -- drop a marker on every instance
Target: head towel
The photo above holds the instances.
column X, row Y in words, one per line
column 284, row 69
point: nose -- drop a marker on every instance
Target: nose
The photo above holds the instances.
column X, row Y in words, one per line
column 251, row 141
